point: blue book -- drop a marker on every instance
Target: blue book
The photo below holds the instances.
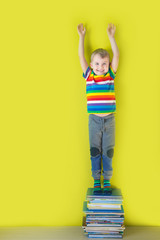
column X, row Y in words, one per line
column 110, row 201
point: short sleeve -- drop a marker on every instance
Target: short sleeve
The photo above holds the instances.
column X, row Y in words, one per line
column 112, row 73
column 87, row 73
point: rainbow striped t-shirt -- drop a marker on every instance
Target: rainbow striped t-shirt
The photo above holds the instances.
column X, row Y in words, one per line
column 100, row 91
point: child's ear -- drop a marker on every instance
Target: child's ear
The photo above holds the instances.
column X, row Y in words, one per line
column 91, row 64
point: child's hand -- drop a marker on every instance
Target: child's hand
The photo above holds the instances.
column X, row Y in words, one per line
column 111, row 30
column 81, row 30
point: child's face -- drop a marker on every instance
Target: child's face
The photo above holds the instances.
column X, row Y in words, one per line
column 100, row 65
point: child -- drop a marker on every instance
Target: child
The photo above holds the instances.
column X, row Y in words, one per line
column 101, row 106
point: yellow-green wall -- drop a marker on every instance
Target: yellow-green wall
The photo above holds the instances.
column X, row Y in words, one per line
column 45, row 166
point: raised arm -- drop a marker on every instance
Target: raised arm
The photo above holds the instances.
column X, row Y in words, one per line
column 115, row 60
column 82, row 32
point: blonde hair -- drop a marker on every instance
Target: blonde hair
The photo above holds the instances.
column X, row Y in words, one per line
column 102, row 52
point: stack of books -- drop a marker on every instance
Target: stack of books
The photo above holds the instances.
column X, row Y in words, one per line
column 104, row 214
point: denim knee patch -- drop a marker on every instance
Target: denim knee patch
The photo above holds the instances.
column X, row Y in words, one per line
column 94, row 151
column 110, row 153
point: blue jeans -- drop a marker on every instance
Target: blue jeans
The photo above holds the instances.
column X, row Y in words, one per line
column 102, row 142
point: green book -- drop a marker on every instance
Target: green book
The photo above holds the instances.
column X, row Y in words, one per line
column 116, row 194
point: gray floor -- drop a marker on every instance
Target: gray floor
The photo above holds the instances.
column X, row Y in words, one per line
column 66, row 233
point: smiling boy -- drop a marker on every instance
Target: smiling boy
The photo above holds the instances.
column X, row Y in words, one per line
column 101, row 106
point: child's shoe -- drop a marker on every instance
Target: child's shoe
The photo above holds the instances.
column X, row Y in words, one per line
column 97, row 192
column 107, row 191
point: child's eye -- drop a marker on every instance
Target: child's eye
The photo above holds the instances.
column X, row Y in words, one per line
column 97, row 63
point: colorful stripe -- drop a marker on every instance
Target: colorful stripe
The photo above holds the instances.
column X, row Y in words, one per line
column 97, row 184
column 100, row 92
column 106, row 184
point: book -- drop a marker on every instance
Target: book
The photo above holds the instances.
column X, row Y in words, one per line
column 116, row 194
column 105, row 201
column 91, row 229
column 102, row 218
column 103, row 206
column 105, row 236
column 101, row 211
